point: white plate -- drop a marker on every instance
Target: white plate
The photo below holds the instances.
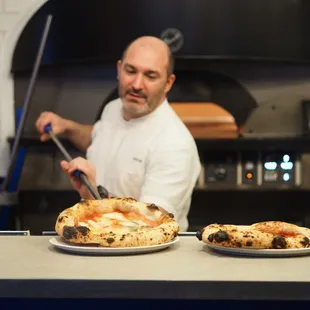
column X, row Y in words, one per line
column 259, row 252
column 68, row 247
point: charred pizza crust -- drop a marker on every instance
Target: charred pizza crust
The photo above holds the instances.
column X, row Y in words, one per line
column 262, row 235
column 69, row 227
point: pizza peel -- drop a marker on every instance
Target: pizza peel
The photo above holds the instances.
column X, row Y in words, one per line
column 81, row 175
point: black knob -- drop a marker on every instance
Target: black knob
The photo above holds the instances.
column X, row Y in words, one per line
column 220, row 173
column 103, row 192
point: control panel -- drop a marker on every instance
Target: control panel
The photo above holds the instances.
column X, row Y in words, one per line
column 251, row 169
column 221, row 168
column 279, row 168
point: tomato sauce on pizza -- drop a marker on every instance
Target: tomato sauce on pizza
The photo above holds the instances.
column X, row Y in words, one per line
column 116, row 222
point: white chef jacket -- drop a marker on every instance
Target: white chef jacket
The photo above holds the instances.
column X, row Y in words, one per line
column 153, row 159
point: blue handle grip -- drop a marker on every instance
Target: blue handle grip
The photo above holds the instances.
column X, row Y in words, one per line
column 77, row 173
column 47, row 128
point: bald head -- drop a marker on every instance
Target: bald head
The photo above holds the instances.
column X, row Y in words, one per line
column 145, row 76
column 155, row 44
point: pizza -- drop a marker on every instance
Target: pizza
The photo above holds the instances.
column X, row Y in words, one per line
column 262, row 235
column 116, row 222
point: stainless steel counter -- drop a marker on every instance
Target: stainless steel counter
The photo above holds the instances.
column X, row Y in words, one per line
column 31, row 267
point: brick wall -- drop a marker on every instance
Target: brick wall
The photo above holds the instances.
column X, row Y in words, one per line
column 14, row 15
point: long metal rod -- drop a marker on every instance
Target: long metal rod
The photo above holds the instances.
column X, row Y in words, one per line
column 89, row 186
column 27, row 101
column 60, row 146
column 79, row 174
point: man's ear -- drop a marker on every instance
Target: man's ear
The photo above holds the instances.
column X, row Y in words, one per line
column 119, row 64
column 170, row 82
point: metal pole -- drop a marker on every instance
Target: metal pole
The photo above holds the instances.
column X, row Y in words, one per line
column 26, row 105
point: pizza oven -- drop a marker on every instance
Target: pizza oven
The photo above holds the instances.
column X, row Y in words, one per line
column 246, row 107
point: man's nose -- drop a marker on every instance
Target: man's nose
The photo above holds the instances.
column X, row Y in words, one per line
column 138, row 82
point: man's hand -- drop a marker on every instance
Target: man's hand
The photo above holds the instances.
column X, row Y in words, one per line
column 78, row 134
column 87, row 168
column 59, row 125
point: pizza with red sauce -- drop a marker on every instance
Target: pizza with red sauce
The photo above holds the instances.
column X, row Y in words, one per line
column 263, row 235
column 116, row 222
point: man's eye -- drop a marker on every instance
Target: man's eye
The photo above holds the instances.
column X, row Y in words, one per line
column 130, row 71
column 151, row 77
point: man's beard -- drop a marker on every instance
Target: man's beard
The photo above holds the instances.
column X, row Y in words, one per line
column 133, row 106
column 136, row 108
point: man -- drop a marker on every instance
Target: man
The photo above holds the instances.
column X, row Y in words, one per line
column 139, row 148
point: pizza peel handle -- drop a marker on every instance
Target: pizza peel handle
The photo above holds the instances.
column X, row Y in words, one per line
column 81, row 175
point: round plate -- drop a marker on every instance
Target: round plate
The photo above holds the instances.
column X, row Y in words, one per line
column 84, row 249
column 260, row 252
